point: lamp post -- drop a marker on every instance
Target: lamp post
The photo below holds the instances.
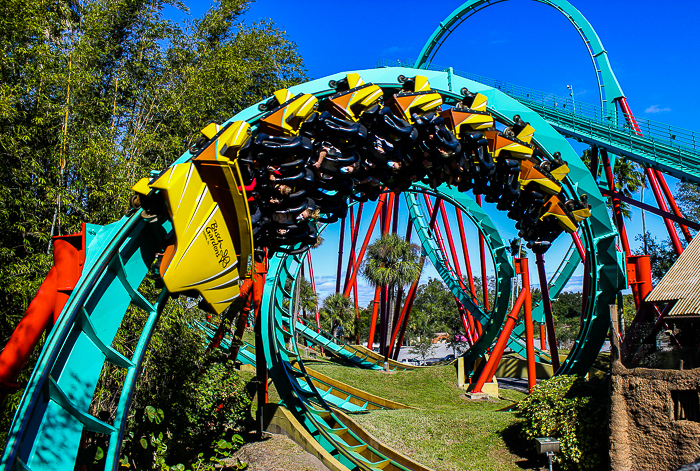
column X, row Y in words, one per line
column 571, row 94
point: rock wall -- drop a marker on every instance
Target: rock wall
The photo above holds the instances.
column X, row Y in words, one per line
column 644, row 432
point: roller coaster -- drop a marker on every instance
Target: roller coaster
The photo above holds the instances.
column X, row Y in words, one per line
column 276, row 173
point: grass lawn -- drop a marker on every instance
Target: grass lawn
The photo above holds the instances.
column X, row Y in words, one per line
column 447, row 432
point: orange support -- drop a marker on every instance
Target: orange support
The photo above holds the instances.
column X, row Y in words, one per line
column 373, row 321
column 44, row 310
column 529, row 327
column 492, row 364
column 482, row 255
column 521, row 267
column 639, row 274
column 543, row 338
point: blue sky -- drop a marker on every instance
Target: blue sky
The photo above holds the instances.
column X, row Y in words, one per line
column 652, row 49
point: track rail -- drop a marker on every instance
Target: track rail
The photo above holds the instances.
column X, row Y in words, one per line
column 296, row 388
column 54, row 410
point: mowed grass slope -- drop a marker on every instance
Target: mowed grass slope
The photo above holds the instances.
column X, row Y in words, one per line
column 447, row 432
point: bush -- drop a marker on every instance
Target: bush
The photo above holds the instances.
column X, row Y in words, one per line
column 575, row 412
column 188, row 404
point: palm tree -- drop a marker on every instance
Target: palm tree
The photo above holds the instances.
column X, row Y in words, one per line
column 308, row 300
column 338, row 310
column 391, row 262
column 629, row 179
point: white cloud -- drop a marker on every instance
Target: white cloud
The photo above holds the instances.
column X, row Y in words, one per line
column 656, row 109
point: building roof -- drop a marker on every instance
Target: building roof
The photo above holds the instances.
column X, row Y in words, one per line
column 681, row 283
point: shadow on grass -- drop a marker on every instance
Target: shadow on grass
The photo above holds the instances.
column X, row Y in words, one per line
column 523, row 448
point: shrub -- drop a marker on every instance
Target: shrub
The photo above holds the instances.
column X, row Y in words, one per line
column 574, row 411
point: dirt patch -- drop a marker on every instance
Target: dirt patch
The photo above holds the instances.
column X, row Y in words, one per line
column 277, row 453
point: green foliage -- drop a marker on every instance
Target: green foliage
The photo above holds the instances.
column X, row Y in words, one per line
column 93, row 96
column 152, row 445
column 434, row 310
column 688, row 198
column 185, row 401
column 341, row 309
column 567, row 314
column 391, row 261
column 574, row 411
column 307, row 297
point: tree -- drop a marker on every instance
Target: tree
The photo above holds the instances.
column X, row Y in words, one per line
column 567, row 314
column 308, row 299
column 688, row 198
column 391, row 262
column 423, row 348
column 629, row 178
column 338, row 310
column 434, row 310
column 96, row 94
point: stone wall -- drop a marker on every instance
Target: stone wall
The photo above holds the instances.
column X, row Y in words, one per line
column 644, row 432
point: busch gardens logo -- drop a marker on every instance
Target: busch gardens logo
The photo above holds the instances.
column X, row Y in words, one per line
column 212, row 236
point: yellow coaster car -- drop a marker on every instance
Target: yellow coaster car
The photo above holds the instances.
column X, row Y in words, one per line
column 530, row 173
column 354, row 97
column 472, row 101
column 289, row 113
column 416, row 97
column 554, row 207
column 460, row 121
column 208, row 207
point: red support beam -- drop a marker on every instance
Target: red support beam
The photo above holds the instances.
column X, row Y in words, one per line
column 529, row 327
column 396, row 215
column 617, row 211
column 450, row 241
column 467, row 322
column 495, row 358
column 403, row 322
column 385, row 304
column 355, row 233
column 482, row 255
column 373, row 321
column 656, row 189
column 313, row 286
column 435, row 228
column 465, row 250
column 629, row 117
column 674, row 205
column 543, row 338
column 579, row 246
column 405, row 312
column 357, row 313
column 340, row 255
column 683, row 222
column 549, row 318
column 44, row 310
column 467, row 317
column 388, row 208
column 654, row 177
column 360, row 256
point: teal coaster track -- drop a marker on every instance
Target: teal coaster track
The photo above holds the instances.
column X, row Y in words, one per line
column 46, row 426
column 53, row 411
